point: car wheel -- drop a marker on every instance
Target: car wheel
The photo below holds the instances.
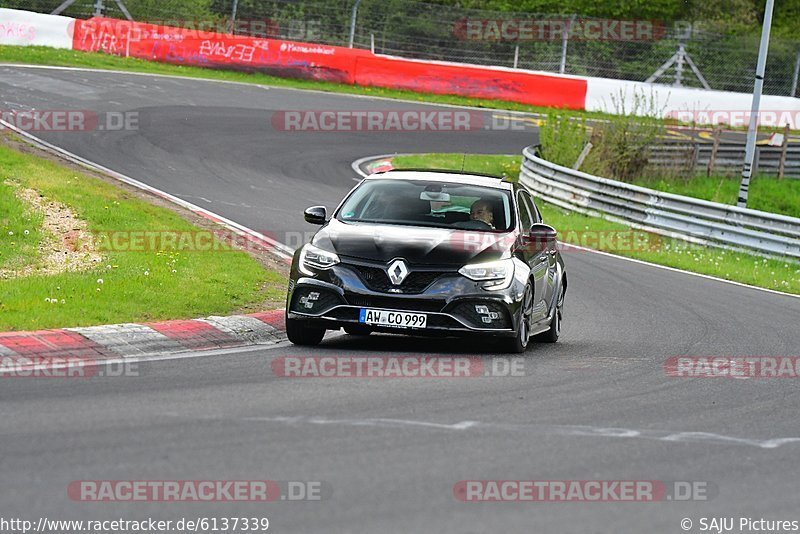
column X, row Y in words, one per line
column 519, row 344
column 357, row 330
column 551, row 336
column 301, row 334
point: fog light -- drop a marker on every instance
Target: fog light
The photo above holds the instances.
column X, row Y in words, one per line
column 486, row 315
column 308, row 300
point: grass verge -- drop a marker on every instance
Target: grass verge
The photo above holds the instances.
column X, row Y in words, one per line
column 151, row 283
column 19, row 230
column 767, row 193
column 578, row 229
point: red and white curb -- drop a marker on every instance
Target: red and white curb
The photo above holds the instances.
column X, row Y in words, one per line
column 372, row 164
column 119, row 341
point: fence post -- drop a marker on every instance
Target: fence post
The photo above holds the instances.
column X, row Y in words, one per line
column 516, row 56
column 712, row 161
column 372, row 43
column 353, row 16
column 98, row 8
column 695, row 157
column 564, row 41
column 756, row 161
column 585, row 152
column 796, row 74
column 234, row 9
column 785, row 146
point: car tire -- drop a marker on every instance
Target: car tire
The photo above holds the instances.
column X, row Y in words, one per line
column 519, row 343
column 357, row 330
column 301, row 334
column 551, row 336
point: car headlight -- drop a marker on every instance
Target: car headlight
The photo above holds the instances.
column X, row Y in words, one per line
column 494, row 274
column 312, row 257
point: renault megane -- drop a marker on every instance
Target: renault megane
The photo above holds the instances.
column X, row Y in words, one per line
column 429, row 253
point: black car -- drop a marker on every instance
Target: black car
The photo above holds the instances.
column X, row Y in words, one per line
column 429, row 253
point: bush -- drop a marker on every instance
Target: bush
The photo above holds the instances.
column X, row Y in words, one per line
column 562, row 138
column 621, row 143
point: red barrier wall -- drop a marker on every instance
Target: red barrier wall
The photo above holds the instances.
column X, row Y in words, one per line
column 322, row 62
column 207, row 49
column 431, row 77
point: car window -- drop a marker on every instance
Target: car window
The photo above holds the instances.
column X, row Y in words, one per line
column 429, row 203
column 524, row 216
column 534, row 211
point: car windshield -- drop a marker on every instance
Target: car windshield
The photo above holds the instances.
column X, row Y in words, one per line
column 429, row 203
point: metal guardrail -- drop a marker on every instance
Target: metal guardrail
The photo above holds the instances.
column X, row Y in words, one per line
column 688, row 218
column 729, row 157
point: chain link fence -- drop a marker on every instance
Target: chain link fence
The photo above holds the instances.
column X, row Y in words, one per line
column 435, row 32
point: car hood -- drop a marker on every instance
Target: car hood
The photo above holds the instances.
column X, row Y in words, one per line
column 417, row 245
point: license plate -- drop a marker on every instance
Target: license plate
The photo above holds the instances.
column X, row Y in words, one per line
column 396, row 319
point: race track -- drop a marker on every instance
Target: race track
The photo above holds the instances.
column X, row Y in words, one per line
column 597, row 405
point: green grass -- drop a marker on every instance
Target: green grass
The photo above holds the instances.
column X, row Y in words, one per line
column 767, row 193
column 144, row 285
column 578, row 229
column 40, row 55
column 19, row 231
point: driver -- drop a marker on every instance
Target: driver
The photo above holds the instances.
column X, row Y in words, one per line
column 481, row 210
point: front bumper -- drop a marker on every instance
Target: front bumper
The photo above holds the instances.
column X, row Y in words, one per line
column 454, row 305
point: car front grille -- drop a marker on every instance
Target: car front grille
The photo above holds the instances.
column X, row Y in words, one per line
column 376, row 279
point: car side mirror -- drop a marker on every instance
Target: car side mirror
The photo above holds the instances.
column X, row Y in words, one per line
column 316, row 215
column 543, row 237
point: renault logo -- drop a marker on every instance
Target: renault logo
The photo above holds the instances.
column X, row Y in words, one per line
column 397, row 272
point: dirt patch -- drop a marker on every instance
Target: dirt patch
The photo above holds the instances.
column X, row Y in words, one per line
column 66, row 244
column 267, row 259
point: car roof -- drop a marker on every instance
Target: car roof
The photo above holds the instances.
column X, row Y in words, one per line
column 443, row 176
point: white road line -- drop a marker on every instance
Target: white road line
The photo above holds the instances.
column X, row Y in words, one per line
column 563, row 430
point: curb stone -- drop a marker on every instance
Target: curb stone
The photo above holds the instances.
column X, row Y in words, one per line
column 134, row 339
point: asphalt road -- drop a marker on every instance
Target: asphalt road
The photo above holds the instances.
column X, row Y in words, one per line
column 596, row 406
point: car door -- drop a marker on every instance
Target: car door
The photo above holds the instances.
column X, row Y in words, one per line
column 551, row 255
column 535, row 256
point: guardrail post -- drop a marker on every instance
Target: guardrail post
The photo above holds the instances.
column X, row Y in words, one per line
column 785, row 146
